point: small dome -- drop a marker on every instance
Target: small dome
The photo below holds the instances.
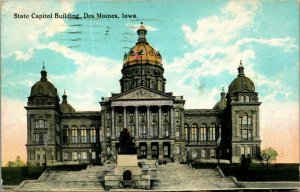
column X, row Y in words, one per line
column 142, row 52
column 223, row 102
column 65, row 106
column 43, row 87
column 241, row 83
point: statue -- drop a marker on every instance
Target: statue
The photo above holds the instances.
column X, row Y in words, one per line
column 126, row 145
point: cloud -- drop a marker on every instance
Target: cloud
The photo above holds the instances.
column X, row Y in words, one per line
column 135, row 27
column 22, row 35
column 92, row 76
column 235, row 16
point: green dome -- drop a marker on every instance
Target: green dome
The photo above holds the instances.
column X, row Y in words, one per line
column 223, row 102
column 241, row 83
column 43, row 87
column 65, row 106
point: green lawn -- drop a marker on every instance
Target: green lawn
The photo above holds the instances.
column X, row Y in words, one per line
column 15, row 175
column 255, row 172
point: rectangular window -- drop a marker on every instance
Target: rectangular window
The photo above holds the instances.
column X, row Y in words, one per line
column 93, row 135
column 83, row 136
column 37, row 125
column 107, row 132
column 38, row 154
column 65, row 156
column 203, row 155
column 212, row 134
column 93, row 155
column 32, row 154
column 46, row 124
column 83, row 155
column 75, row 156
column 203, row 134
column 166, row 150
column 41, row 123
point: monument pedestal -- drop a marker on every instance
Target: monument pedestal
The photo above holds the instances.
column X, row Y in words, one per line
column 127, row 174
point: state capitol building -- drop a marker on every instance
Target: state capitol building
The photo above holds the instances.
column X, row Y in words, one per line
column 158, row 122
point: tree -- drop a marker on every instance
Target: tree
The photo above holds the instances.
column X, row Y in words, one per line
column 17, row 163
column 268, row 155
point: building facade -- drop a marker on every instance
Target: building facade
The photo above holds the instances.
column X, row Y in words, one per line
column 158, row 122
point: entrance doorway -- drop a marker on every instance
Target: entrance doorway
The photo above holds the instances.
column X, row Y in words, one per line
column 127, row 175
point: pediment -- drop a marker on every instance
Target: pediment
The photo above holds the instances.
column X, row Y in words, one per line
column 142, row 93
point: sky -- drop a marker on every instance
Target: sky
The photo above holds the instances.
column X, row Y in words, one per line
column 201, row 43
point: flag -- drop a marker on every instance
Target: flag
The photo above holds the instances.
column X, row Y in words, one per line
column 139, row 54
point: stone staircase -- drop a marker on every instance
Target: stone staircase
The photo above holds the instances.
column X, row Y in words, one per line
column 170, row 177
column 67, row 181
column 181, row 177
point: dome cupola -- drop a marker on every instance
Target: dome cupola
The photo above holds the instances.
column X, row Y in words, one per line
column 241, row 83
column 65, row 106
column 142, row 65
column 43, row 92
column 142, row 52
column 223, row 102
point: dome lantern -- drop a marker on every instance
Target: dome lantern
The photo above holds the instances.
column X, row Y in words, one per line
column 142, row 33
column 64, row 96
column 241, row 69
column 43, row 73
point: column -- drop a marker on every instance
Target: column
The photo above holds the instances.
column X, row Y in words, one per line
column 160, row 150
column 113, row 131
column 172, row 130
column 148, row 121
column 136, row 109
column 149, row 150
column 181, row 128
column 124, row 117
column 159, row 121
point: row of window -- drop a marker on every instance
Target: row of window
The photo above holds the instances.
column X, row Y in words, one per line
column 203, row 133
column 204, row 153
column 78, row 156
column 40, row 124
column 40, row 137
column 83, row 135
column 244, row 98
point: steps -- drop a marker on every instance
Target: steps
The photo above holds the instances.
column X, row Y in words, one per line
column 170, row 177
column 179, row 177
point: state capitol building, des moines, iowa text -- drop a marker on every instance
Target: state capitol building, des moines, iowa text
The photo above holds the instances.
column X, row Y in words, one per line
column 158, row 122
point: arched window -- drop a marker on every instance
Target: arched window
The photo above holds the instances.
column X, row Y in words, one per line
column 242, row 98
column 152, row 85
column 248, row 150
column 212, row 132
column 83, row 134
column 212, row 153
column 41, row 123
column 247, row 98
column 166, row 150
column 186, row 132
column 245, row 119
column 83, row 155
column 74, row 134
column 143, row 151
column 154, row 151
column 203, row 132
column 93, row 134
column 242, row 150
column 194, row 132
column 65, row 134
column 75, row 156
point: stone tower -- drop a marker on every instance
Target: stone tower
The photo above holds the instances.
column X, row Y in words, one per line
column 243, row 138
column 43, row 122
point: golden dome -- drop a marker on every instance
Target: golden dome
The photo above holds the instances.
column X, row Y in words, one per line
column 142, row 52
